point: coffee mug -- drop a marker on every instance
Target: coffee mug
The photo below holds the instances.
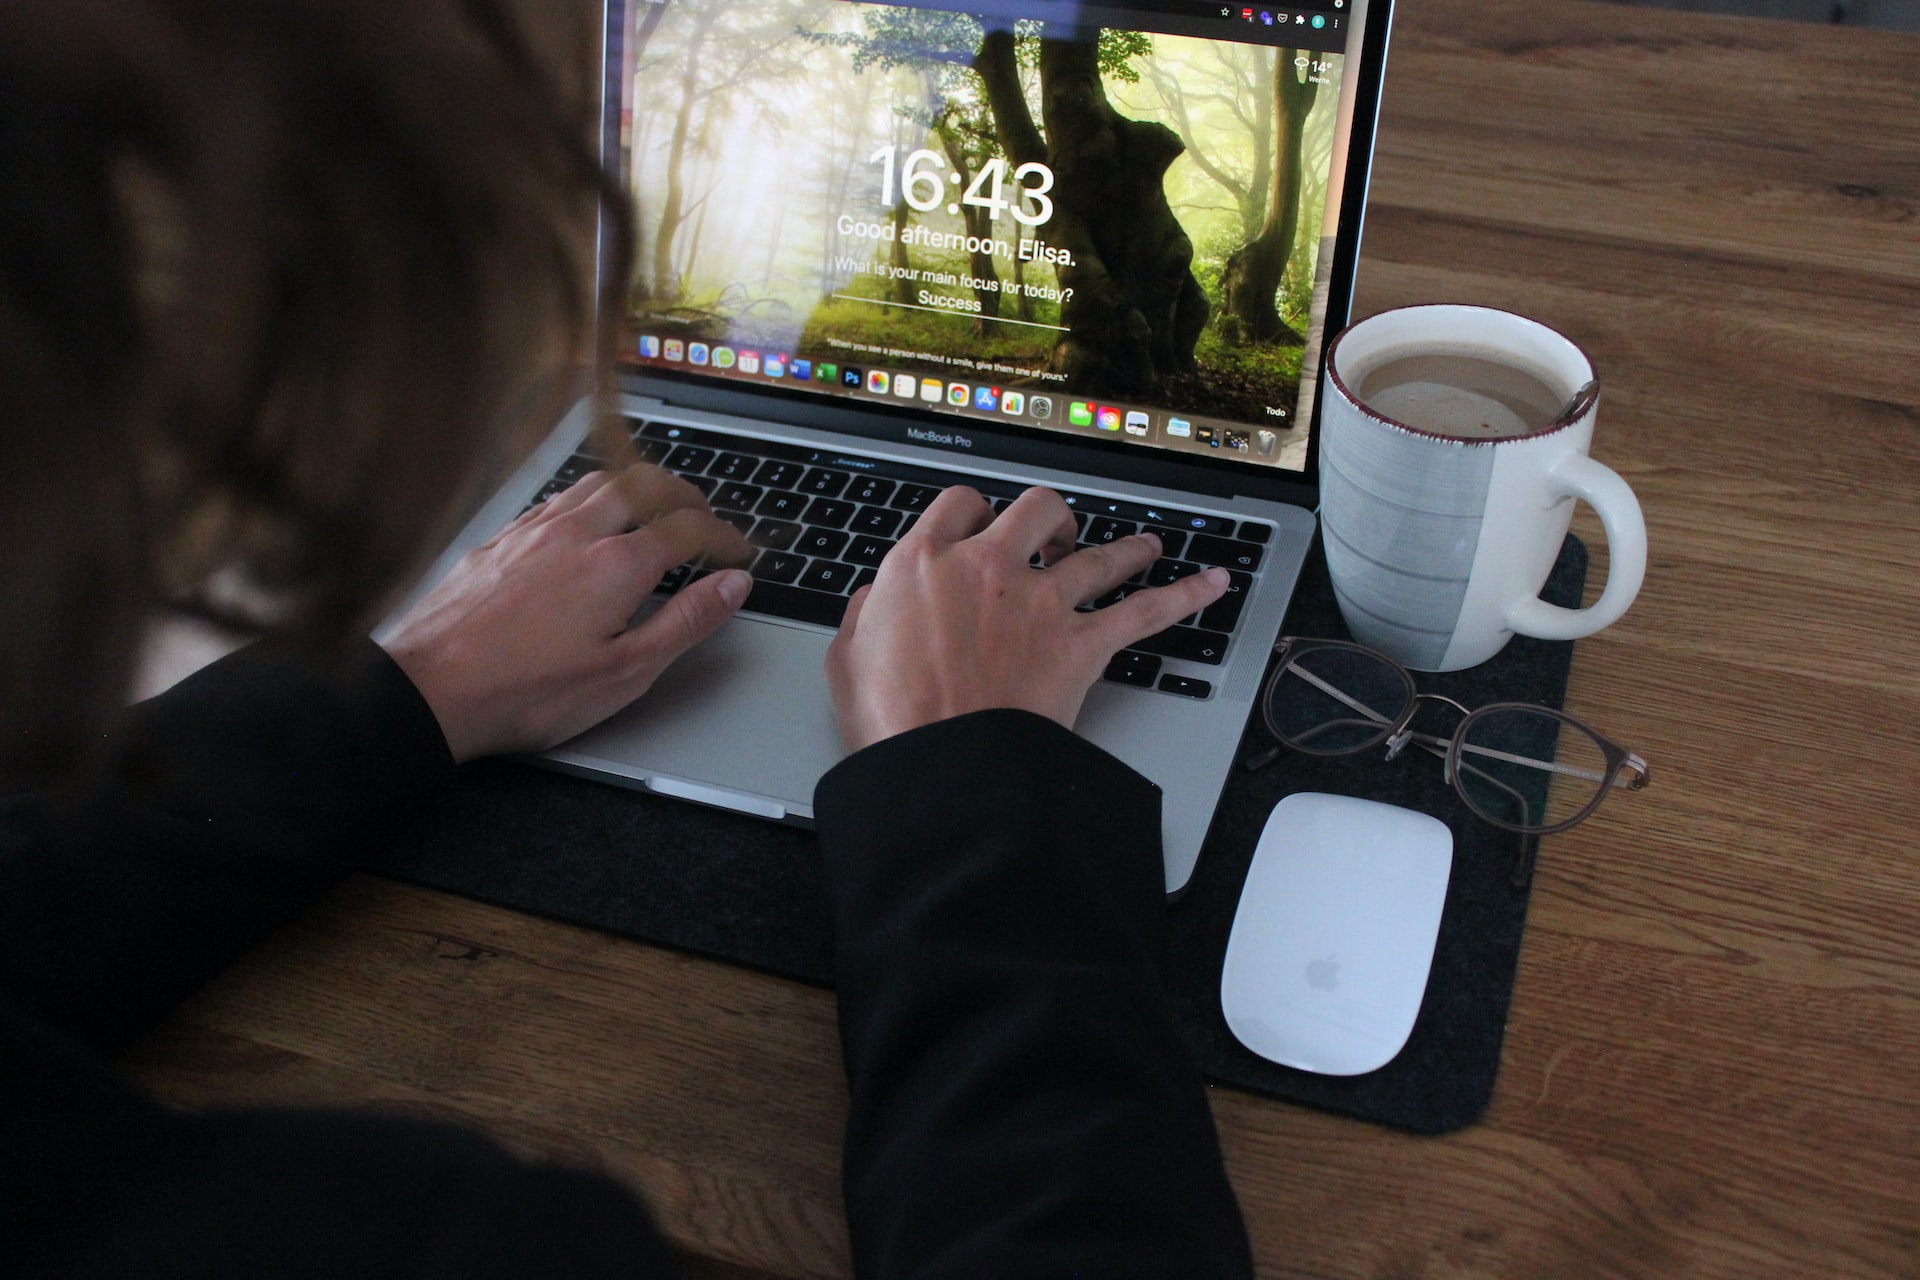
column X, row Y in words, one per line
column 1453, row 444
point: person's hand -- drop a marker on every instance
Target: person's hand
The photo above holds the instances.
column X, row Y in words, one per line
column 958, row 620
column 526, row 642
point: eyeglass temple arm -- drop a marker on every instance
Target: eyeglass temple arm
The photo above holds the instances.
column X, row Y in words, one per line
column 1338, row 696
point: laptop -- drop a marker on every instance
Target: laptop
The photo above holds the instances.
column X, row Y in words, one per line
column 888, row 248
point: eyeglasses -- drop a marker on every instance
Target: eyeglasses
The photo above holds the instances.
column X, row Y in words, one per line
column 1518, row 765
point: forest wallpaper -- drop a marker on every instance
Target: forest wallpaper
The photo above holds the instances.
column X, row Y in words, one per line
column 1113, row 214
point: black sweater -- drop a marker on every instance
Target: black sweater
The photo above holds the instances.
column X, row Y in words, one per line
column 1020, row 1102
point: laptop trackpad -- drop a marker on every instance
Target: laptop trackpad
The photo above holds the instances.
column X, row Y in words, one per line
column 742, row 720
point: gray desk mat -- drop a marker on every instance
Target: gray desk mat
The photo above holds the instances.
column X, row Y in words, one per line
column 752, row 893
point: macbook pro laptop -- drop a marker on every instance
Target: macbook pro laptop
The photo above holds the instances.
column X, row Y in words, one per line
column 887, row 248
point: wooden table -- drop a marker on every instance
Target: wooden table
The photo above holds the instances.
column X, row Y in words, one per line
column 1713, row 1063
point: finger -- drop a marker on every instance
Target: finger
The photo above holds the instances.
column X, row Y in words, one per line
column 574, row 494
column 1038, row 523
column 851, row 618
column 841, row 679
column 958, row 513
column 1146, row 613
column 634, row 497
column 521, row 521
column 1095, row 570
column 676, row 538
column 694, row 612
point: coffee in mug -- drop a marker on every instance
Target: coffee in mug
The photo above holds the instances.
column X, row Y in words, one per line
column 1453, row 446
column 1460, row 392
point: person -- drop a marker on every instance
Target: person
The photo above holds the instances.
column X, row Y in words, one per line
column 277, row 282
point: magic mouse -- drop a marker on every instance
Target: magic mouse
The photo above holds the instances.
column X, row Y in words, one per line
column 1334, row 934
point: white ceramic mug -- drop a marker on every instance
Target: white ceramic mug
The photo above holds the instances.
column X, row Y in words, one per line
column 1438, row 545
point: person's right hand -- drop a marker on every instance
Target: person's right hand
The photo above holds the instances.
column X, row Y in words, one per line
column 957, row 620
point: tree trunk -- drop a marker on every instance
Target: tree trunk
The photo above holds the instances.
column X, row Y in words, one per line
column 1132, row 308
column 1250, row 281
column 666, row 282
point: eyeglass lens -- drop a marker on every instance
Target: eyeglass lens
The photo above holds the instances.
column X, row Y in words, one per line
column 1524, row 768
column 1332, row 700
column 1501, row 773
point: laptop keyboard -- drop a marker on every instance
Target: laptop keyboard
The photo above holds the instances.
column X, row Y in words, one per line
column 823, row 520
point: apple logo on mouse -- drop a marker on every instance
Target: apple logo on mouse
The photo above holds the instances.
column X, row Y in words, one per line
column 1324, row 974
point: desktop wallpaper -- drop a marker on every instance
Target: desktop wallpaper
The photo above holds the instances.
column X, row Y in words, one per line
column 1129, row 217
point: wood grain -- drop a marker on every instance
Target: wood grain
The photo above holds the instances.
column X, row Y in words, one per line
column 1713, row 1063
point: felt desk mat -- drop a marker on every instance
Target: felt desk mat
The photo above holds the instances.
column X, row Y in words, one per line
column 753, row 893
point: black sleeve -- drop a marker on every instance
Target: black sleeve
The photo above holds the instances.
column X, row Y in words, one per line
column 1022, row 1105
column 242, row 793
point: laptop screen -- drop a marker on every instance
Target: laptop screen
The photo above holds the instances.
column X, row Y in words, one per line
column 1116, row 223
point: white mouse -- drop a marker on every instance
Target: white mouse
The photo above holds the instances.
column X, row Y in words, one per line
column 1334, row 934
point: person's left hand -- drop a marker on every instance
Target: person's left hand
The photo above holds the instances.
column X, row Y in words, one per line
column 526, row 643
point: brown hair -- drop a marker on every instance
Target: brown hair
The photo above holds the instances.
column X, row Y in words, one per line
column 272, row 275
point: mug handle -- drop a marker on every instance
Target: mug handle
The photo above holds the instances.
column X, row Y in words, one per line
column 1596, row 484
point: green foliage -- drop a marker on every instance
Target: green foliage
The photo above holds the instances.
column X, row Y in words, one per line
column 1296, row 294
column 906, row 38
column 1116, row 51
column 1210, row 251
column 1254, row 362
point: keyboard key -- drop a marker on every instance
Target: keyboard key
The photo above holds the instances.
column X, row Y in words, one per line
column 688, row 458
column 821, row 542
column 673, row 579
column 781, row 506
column 877, row 522
column 1116, row 595
column 777, row 535
column 1165, row 571
column 868, row 551
column 828, row 575
column 734, row 466
column 830, row 512
column 1208, row 549
column 913, row 497
column 1186, row 686
column 781, row 601
column 652, row 450
column 1128, row 667
column 741, row 520
column 778, row 566
column 1172, row 541
column 1224, row 614
column 575, row 467
column 737, row 497
column 1190, row 643
column 824, row 483
column 1254, row 531
column 864, row 578
column 778, row 475
column 705, row 484
column 1105, row 530
column 870, row 489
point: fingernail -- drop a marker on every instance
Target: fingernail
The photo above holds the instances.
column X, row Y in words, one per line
column 734, row 586
column 1154, row 538
column 1217, row 576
